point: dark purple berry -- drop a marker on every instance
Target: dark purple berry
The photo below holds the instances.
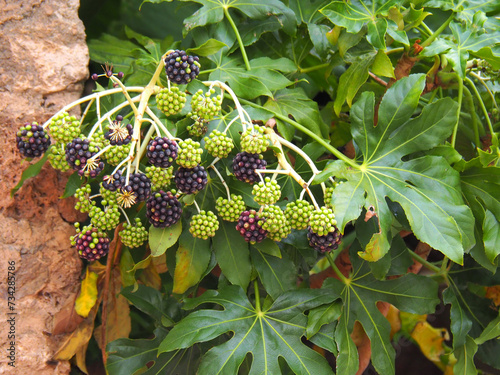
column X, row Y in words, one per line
column 162, row 152
column 249, row 228
column 163, row 209
column 91, row 244
column 119, row 134
column 80, row 156
column 324, row 243
column 120, row 75
column 245, row 164
column 191, row 181
column 140, row 185
column 181, row 68
column 94, row 76
column 32, row 141
column 113, row 182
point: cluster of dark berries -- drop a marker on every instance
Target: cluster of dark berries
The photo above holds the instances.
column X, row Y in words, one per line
column 191, row 180
column 162, row 152
column 119, row 134
column 113, row 182
column 245, row 164
column 325, row 243
column 80, row 155
column 181, row 68
column 140, row 185
column 163, row 209
column 91, row 243
column 32, row 140
column 250, row 228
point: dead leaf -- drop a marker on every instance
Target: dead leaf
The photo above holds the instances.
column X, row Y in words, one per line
column 66, row 320
column 88, row 294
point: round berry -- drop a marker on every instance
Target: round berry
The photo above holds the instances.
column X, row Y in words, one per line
column 298, row 213
column 245, row 164
column 181, row 68
column 163, row 209
column 141, row 186
column 218, row 144
column 32, row 141
column 267, row 192
column 91, row 243
column 249, row 227
column 230, row 210
column 170, row 101
column 162, row 152
column 204, row 225
column 254, row 141
column 191, row 181
column 324, row 243
column 134, row 235
column 189, row 153
column 64, row 128
column 322, row 221
column 80, row 154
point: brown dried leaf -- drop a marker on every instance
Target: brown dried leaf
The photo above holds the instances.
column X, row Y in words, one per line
column 67, row 320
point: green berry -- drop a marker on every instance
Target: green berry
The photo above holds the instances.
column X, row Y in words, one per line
column 204, row 225
column 267, row 192
column 107, row 219
column 272, row 218
column 82, row 194
column 230, row 210
column 170, row 101
column 115, row 154
column 218, row 144
column 322, row 221
column 298, row 213
column 108, row 196
column 98, row 140
column 133, row 235
column 254, row 141
column 189, row 155
column 64, row 128
column 204, row 106
column 57, row 157
column 160, row 177
column 284, row 230
column 329, row 194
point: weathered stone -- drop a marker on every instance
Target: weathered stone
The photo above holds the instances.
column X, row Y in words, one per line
column 43, row 63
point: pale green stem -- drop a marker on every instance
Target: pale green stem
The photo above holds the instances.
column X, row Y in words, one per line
column 424, row 262
column 238, row 37
column 460, row 96
column 481, row 80
column 341, row 276
column 257, row 295
column 470, row 103
column 481, row 103
column 436, row 33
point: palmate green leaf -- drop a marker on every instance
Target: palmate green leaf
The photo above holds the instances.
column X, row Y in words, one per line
column 149, row 301
column 461, row 44
column 212, row 11
column 109, row 48
column 360, row 294
column 208, row 48
column 427, row 188
column 262, row 79
column 355, row 14
column 267, row 335
column 460, row 322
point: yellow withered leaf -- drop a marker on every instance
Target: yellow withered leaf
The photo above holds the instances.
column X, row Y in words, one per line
column 88, row 294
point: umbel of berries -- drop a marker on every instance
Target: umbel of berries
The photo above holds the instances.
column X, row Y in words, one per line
column 80, row 154
column 322, row 221
column 245, row 164
column 230, row 209
column 204, row 225
column 181, row 68
column 189, row 153
column 163, row 209
column 298, row 213
column 267, row 192
column 32, row 141
column 119, row 134
column 254, row 141
column 170, row 101
column 162, row 152
column 63, row 127
column 141, row 186
column 134, row 235
column 113, row 182
column 91, row 243
column 191, row 180
column 249, row 227
column 218, row 144
column 325, row 243
column 204, row 106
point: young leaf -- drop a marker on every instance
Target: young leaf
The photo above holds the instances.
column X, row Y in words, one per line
column 360, row 294
column 160, row 239
column 268, row 334
column 427, row 188
column 208, row 48
column 492, row 331
column 191, row 261
column 322, row 315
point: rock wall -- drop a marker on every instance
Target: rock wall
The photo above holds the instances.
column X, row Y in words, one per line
column 43, row 64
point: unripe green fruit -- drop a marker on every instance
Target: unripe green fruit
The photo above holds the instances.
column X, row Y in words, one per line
column 133, row 235
column 298, row 213
column 254, row 141
column 189, row 154
column 230, row 210
column 267, row 192
column 170, row 101
column 322, row 221
column 218, row 144
column 204, row 225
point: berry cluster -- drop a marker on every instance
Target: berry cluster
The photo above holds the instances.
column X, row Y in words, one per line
column 81, row 156
column 267, row 192
column 181, row 68
column 160, row 177
column 204, row 106
column 230, row 210
column 189, row 153
column 191, row 180
column 249, row 226
column 134, row 235
column 170, row 101
column 298, row 213
column 163, row 209
column 322, row 221
column 119, row 134
column 32, row 140
column 64, row 128
column 218, row 144
column 204, row 225
column 254, row 141
column 245, row 164
column 91, row 243
column 162, row 152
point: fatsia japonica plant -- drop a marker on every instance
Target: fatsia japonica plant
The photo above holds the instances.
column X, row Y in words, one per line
column 289, row 187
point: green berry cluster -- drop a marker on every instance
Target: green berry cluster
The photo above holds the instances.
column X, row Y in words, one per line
column 64, row 128
column 204, row 106
column 57, row 157
column 328, row 196
column 298, row 213
column 254, row 141
column 284, row 230
column 322, row 221
column 272, row 217
column 83, row 203
column 108, row 197
column 160, row 177
column 230, row 210
column 115, row 154
column 99, row 141
column 218, row 144
column 107, row 219
column 170, row 101
column 267, row 192
column 189, row 155
column 204, row 225
column 134, row 235
column 198, row 129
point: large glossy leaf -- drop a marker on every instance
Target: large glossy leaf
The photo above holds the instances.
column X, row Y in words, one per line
column 267, row 335
column 212, row 11
column 465, row 358
column 354, row 15
column 427, row 188
column 160, row 239
column 360, row 294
